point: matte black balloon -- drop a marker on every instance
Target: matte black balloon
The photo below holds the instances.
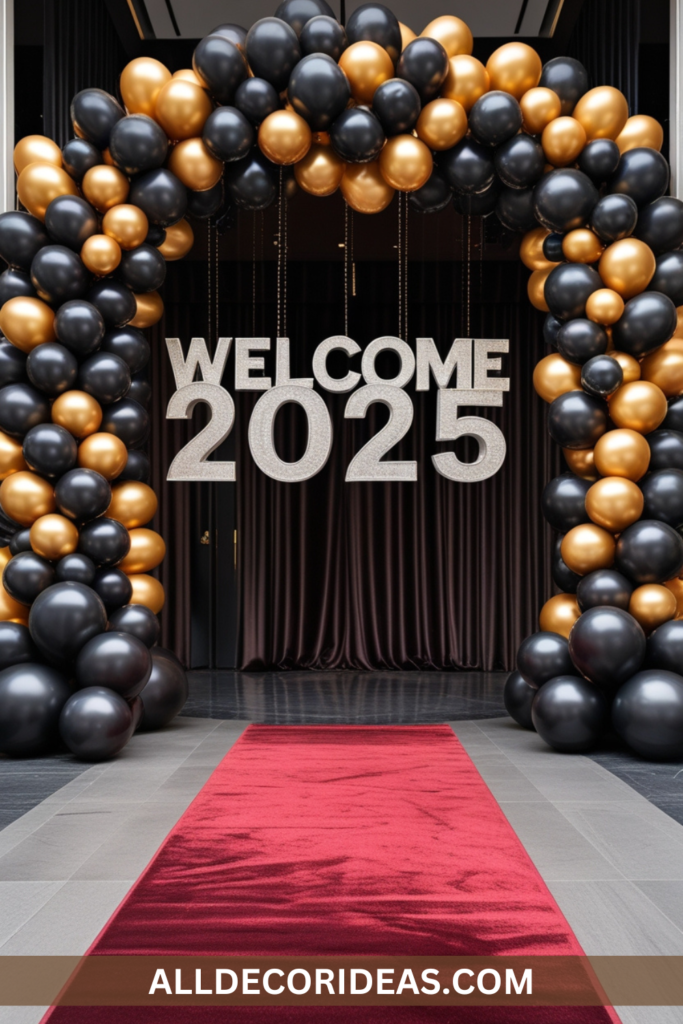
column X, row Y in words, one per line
column 251, row 183
column 515, row 209
column 601, row 376
column 563, row 576
column 599, row 159
column 115, row 302
column 16, row 646
column 519, row 161
column 142, row 269
column 542, row 656
column 665, row 646
column 137, row 468
column 494, row 118
column 160, row 195
column 137, row 710
column 297, row 13
column 228, row 133
column 94, row 113
column 207, row 203
column 397, row 106
column 570, row 714
column 552, row 247
column 468, row 166
column 104, row 541
column 564, row 501
column 155, row 235
column 483, row 204
column 31, row 699
column 26, row 575
column 660, row 224
column 614, row 217
column 50, row 450
column 116, row 660
column 140, row 389
column 59, row 275
column 551, row 328
column 568, row 78
column 273, row 51
column 567, row 288
column 256, row 99
column 21, row 237
column 649, row 552
column 12, row 364
column 78, row 156
column 15, row 283
column 115, row 589
column 607, row 646
column 674, row 418
column 9, row 527
column 129, row 344
column 79, row 325
column 323, row 34
column 21, row 541
column 577, row 420
column 235, row 33
column 666, row 448
column 82, row 494
column 648, row 320
column 166, row 691
column 604, row 587
column 424, row 63
column 70, row 221
column 220, row 64
column 378, row 24
column 75, row 568
column 138, row 144
column 22, row 407
column 138, row 621
column 105, row 376
column 517, row 697
column 435, row 194
column 580, row 340
column 62, row 620
column 642, row 174
column 648, row 714
column 668, row 276
column 663, row 493
column 318, row 91
column 564, row 199
column 128, row 420
column 357, row 136
column 95, row 724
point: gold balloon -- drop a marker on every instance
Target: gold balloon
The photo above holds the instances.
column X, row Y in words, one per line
column 453, row 34
column 27, row 322
column 181, row 109
column 78, row 412
column 562, row 141
column 11, row 610
column 101, row 254
column 188, row 75
column 39, row 184
column 554, row 376
column 126, row 224
column 640, row 131
column 107, row 158
column 25, row 497
column 665, row 367
column 320, row 172
column 678, row 333
column 148, row 591
column 639, row 406
column 604, row 306
column 150, row 309
column 147, row 550
column 603, row 112
column 364, row 188
column 630, row 366
column 676, row 588
column 105, row 187
column 442, row 123
column 366, row 65
column 536, row 288
column 141, row 82
column 539, row 106
column 559, row 614
column 622, row 453
column 284, row 137
column 132, row 503
column 407, row 35
column 192, row 163
column 581, row 463
column 514, row 68
column 531, row 250
column 36, row 149
column 466, row 81
column 11, row 456
column 178, row 242
column 614, row 502
column 103, row 452
column 627, row 266
column 582, row 246
column 652, row 604
column 586, row 548
column 53, row 536
column 406, row 163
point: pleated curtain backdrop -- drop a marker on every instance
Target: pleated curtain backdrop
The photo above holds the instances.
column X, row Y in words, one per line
column 606, row 39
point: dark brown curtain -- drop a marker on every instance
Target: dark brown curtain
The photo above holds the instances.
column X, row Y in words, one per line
column 606, row 39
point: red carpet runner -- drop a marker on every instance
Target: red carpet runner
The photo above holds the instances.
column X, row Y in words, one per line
column 341, row 840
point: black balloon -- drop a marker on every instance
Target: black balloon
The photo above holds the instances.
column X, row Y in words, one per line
column 665, row 646
column 219, row 64
column 515, row 208
column 165, row 692
column 138, row 144
column 577, row 420
column 80, row 326
column 642, row 174
column 129, row 344
column 63, row 618
column 31, row 699
column 564, row 501
column 468, row 167
column 142, row 269
column 95, row 723
column 16, row 646
column 115, row 302
column 649, row 552
column 567, row 288
column 21, row 541
column 21, row 237
column 94, row 113
column 666, row 448
column 228, row 133
column 155, row 235
column 520, row 161
column 137, row 620
column 318, row 91
column 570, row 714
column 235, row 33
column 357, row 135
column 273, row 51
column 378, row 24
column 614, row 217
column 26, row 575
column 59, row 275
column 648, row 714
column 128, row 420
column 82, row 494
column 75, row 568
column 494, row 118
column 517, row 697
column 663, row 494
column 207, row 203
column 118, row 661
column 607, row 646
column 137, row 709
column 674, row 417
column 78, row 156
column 104, row 541
column 160, row 195
column 604, row 587
column 105, row 376
column 601, row 376
column 297, row 13
column 434, row 195
column 251, row 182
column 140, row 389
column 564, row 199
column 256, row 99
column 137, row 468
column 14, row 283
column 13, row 368
column 483, row 204
column 568, row 78
column 580, row 340
column 551, row 328
column 424, row 63
column 599, row 160
column 648, row 320
column 323, row 34
column 115, row 589
column 396, row 104
column 542, row 656
column 70, row 221
column 50, row 450
column 668, row 276
column 552, row 247
column 660, row 224
column 22, row 407
column 563, row 576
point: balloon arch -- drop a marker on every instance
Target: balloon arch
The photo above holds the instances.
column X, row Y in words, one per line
column 368, row 108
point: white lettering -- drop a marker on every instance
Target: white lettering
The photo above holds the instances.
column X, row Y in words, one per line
column 178, row 982
column 160, row 981
column 197, row 356
column 385, row 975
column 324, row 976
column 482, row 365
column 511, row 982
column 266, row 982
column 407, row 981
column 245, row 363
column 456, row 982
column 282, row 367
column 496, row 981
column 199, row 991
column 290, row 981
column 335, row 384
column 355, row 973
column 248, row 981
column 403, row 351
column 433, row 982
column 428, row 359
column 220, row 991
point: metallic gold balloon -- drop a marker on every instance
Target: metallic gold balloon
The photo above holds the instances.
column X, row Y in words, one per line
column 678, row 333
column 539, row 106
column 652, row 604
column 101, row 254
column 141, row 82
column 442, row 123
column 604, row 306
column 11, row 610
column 53, row 536
column 531, row 250
column 105, row 187
column 321, row 139
column 181, row 109
column 147, row 550
column 467, row 80
column 188, row 75
column 36, row 149
column 602, row 111
column 559, row 614
column 407, row 35
column 664, row 367
column 148, row 591
column 25, row 496
column 366, row 65
column 406, row 163
column 514, row 68
column 365, row 189
column 586, row 548
column 126, row 224
column 320, row 172
column 192, row 163
column 107, row 158
column 27, row 322
column 676, row 588
column 536, row 288
column 630, row 366
column 284, row 137
column 39, row 184
column 639, row 406
column 614, row 502
column 622, row 453
column 581, row 463
column 178, row 242
column 453, row 34
column 562, row 141
column 105, row 453
column 133, row 504
column 11, row 456
column 554, row 376
column 150, row 309
column 627, row 266
column 78, row 412
column 641, row 130
column 582, row 246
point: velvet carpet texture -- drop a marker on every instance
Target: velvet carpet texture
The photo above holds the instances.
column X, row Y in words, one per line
column 324, row 840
